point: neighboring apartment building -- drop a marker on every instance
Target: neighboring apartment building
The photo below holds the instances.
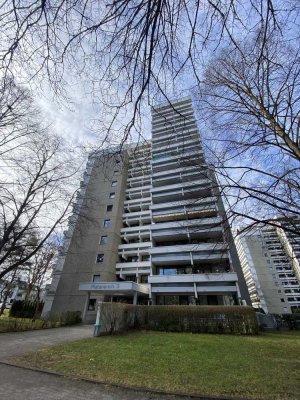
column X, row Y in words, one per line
column 11, row 291
column 149, row 226
column 270, row 257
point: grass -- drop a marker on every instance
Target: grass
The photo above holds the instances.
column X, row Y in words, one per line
column 255, row 367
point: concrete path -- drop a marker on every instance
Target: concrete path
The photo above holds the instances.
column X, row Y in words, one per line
column 17, row 343
column 18, row 384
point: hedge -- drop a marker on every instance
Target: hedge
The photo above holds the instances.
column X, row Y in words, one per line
column 13, row 324
column 119, row 317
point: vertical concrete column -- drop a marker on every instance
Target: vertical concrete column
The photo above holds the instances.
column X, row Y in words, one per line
column 86, row 306
column 135, row 297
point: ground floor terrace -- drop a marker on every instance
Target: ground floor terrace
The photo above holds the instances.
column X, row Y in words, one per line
column 217, row 293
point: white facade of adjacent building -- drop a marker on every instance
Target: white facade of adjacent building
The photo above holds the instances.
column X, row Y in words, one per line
column 270, row 261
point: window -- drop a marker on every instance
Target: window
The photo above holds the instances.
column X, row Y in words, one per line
column 116, row 172
column 114, row 183
column 92, row 305
column 282, row 300
column 106, row 223
column 144, row 278
column 96, row 278
column 112, row 195
column 103, row 239
column 99, row 258
column 109, row 207
column 133, row 259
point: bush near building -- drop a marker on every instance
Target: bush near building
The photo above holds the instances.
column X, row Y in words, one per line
column 119, row 317
column 18, row 324
column 23, row 309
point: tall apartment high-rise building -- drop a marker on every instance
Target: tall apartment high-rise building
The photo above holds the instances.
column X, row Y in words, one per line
column 149, row 226
column 270, row 258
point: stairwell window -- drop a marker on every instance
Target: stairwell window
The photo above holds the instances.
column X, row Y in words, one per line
column 103, row 239
column 109, row 208
column 106, row 223
column 112, row 195
column 99, row 258
column 114, row 183
column 96, row 278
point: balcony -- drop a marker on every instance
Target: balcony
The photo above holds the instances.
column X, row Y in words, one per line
column 174, row 142
column 179, row 213
column 137, row 204
column 193, row 254
column 194, row 278
column 140, row 267
column 177, row 156
column 194, row 284
column 178, row 126
column 137, row 218
column 194, row 224
column 138, row 192
column 204, row 201
column 182, row 176
column 136, row 246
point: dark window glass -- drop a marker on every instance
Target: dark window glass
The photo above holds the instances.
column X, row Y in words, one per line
column 100, row 258
column 92, row 305
column 96, row 278
column 109, row 207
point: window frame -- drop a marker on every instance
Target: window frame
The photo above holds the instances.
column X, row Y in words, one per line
column 103, row 239
column 106, row 223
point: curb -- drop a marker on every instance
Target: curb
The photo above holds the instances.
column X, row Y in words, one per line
column 122, row 386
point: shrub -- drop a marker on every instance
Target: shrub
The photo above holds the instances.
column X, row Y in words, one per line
column 117, row 317
column 23, row 309
column 64, row 318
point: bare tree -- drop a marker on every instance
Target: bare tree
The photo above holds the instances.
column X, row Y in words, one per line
column 131, row 52
column 137, row 52
column 36, row 184
column 249, row 101
column 39, row 269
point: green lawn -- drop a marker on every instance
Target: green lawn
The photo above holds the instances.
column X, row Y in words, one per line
column 256, row 367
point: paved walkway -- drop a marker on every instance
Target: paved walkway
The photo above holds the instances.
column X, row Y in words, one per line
column 17, row 384
column 17, row 343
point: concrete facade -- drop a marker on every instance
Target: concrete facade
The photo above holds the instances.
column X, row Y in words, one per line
column 82, row 245
column 167, row 232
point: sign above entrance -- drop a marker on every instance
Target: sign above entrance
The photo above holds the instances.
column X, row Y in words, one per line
column 114, row 288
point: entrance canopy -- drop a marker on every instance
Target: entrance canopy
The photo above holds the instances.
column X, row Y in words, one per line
column 115, row 288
